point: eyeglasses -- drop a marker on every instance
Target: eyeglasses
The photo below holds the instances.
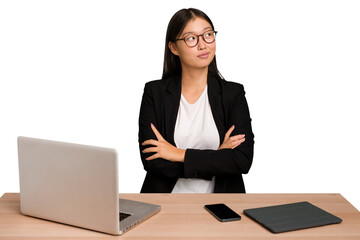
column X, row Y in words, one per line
column 192, row 39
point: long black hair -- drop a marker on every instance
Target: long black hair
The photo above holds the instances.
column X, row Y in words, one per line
column 172, row 65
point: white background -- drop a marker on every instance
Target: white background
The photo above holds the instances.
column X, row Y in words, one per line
column 75, row 70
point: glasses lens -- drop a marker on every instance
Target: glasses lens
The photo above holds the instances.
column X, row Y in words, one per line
column 191, row 40
column 209, row 36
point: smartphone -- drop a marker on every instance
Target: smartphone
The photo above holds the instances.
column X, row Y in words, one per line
column 222, row 212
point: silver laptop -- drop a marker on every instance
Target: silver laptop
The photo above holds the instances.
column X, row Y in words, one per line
column 76, row 185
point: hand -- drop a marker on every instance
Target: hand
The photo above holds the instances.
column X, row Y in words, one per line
column 163, row 149
column 232, row 142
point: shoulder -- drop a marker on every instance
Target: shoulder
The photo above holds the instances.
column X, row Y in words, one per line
column 154, row 88
column 159, row 85
column 232, row 95
column 233, row 86
column 231, row 89
column 154, row 84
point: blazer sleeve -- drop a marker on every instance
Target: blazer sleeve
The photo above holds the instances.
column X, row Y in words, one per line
column 225, row 162
column 147, row 116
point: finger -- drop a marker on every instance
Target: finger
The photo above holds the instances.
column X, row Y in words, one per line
column 227, row 134
column 152, row 157
column 238, row 143
column 157, row 134
column 237, row 137
column 150, row 142
column 150, row 149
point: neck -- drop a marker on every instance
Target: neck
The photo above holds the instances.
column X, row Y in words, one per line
column 194, row 78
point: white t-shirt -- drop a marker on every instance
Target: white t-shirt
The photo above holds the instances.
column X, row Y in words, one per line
column 195, row 128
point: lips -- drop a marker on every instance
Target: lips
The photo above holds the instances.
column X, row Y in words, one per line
column 204, row 55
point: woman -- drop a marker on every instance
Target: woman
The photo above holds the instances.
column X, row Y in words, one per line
column 187, row 114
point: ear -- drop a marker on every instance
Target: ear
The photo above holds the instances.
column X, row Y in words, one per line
column 173, row 48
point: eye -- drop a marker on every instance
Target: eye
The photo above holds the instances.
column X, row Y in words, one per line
column 190, row 38
column 209, row 34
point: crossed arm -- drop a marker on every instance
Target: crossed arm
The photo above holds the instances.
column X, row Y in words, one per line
column 162, row 149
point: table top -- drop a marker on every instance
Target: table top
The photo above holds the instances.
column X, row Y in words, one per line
column 183, row 217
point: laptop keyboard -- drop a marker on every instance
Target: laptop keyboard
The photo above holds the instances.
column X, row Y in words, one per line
column 124, row 215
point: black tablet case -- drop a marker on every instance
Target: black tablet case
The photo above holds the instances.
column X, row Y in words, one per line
column 289, row 217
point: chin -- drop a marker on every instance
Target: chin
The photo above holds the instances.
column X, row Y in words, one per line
column 199, row 64
column 204, row 65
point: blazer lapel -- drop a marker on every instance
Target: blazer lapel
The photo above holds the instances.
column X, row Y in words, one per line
column 214, row 93
column 171, row 105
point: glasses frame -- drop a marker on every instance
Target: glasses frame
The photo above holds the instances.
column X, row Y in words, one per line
column 198, row 37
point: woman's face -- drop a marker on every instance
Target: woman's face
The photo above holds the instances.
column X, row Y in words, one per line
column 199, row 56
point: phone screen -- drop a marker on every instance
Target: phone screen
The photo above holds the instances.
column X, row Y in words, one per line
column 222, row 212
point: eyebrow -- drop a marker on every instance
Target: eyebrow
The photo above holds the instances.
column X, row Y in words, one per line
column 184, row 34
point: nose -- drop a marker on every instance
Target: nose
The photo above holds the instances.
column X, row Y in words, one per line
column 201, row 44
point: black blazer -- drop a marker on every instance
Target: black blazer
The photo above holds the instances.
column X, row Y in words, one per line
column 160, row 104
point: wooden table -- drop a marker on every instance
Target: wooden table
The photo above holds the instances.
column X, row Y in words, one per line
column 183, row 217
